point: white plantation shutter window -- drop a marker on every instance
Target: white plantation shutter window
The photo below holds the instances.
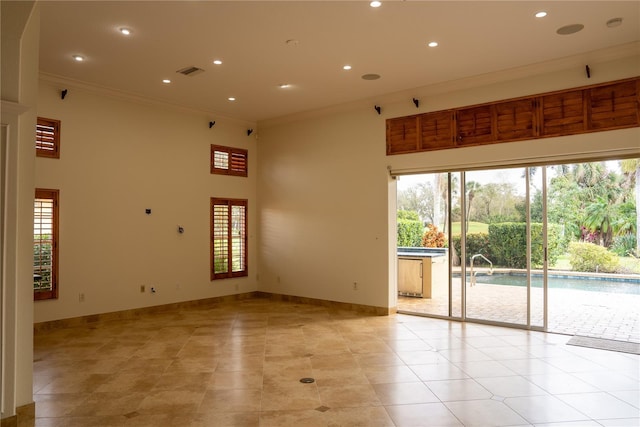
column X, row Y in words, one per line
column 229, row 161
column 228, row 238
column 48, row 138
column 45, row 244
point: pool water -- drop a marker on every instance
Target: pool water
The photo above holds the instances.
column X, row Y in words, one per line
column 615, row 286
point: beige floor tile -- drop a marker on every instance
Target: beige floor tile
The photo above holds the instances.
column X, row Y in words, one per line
column 170, row 401
column 108, row 404
column 57, row 405
column 294, row 397
column 372, row 416
column 425, row 414
column 348, row 396
column 231, row 400
column 483, row 413
column 240, row 364
column 404, row 393
column 226, row 419
column 75, row 383
column 129, row 382
column 308, row 418
column 390, row 374
column 236, row 379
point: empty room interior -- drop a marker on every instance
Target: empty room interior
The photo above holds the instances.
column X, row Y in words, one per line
column 199, row 210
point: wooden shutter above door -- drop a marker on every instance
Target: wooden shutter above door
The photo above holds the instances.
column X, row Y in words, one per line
column 515, row 120
column 614, row 106
column 402, row 135
column 563, row 113
column 437, row 130
column 475, row 125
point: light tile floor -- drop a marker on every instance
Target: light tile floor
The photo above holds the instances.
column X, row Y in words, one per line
column 239, row 364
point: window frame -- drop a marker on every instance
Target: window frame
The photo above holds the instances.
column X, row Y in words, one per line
column 231, row 254
column 54, row 152
column 54, row 195
column 237, row 161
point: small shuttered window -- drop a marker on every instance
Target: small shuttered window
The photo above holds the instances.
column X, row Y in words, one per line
column 45, row 244
column 229, row 161
column 48, row 138
column 228, row 238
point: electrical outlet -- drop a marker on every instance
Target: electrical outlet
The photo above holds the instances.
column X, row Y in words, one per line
column 81, row 297
column 355, row 286
column 153, row 290
column 142, row 288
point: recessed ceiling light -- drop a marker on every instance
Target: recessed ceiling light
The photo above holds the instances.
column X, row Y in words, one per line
column 78, row 58
column 614, row 22
column 370, row 76
column 125, row 31
column 569, row 29
column 231, row 98
column 433, row 44
column 217, row 62
column 375, row 3
column 284, row 86
column 166, row 81
column 541, row 14
column 346, row 67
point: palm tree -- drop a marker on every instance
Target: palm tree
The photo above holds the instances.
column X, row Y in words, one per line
column 599, row 217
column 631, row 167
column 471, row 188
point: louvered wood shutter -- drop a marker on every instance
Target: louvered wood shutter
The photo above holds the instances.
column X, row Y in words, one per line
column 229, row 161
column 48, row 138
column 45, row 244
column 402, row 135
column 228, row 238
column 475, row 125
column 563, row 113
column 515, row 120
column 614, row 106
column 436, row 130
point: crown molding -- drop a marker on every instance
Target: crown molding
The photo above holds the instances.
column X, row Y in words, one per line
column 67, row 83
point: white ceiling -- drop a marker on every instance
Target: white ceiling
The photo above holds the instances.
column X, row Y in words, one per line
column 475, row 37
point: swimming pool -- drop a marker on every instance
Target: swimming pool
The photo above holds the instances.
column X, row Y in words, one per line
column 615, row 286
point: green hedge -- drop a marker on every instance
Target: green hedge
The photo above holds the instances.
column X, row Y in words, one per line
column 509, row 246
column 409, row 233
column 477, row 243
column 506, row 246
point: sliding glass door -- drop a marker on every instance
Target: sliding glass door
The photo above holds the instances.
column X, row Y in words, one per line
column 496, row 245
column 540, row 247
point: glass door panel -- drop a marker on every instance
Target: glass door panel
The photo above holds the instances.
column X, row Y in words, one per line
column 495, row 227
column 538, row 257
column 423, row 254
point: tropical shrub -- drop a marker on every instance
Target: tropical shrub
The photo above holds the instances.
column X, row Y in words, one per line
column 624, row 245
column 433, row 238
column 590, row 257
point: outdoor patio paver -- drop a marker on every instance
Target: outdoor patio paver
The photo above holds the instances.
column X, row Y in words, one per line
column 572, row 312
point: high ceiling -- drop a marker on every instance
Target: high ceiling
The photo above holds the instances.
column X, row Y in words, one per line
column 305, row 44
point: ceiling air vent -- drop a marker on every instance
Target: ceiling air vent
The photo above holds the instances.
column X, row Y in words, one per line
column 190, row 71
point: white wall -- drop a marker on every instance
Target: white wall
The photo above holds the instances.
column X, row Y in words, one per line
column 20, row 41
column 119, row 157
column 323, row 218
column 327, row 204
